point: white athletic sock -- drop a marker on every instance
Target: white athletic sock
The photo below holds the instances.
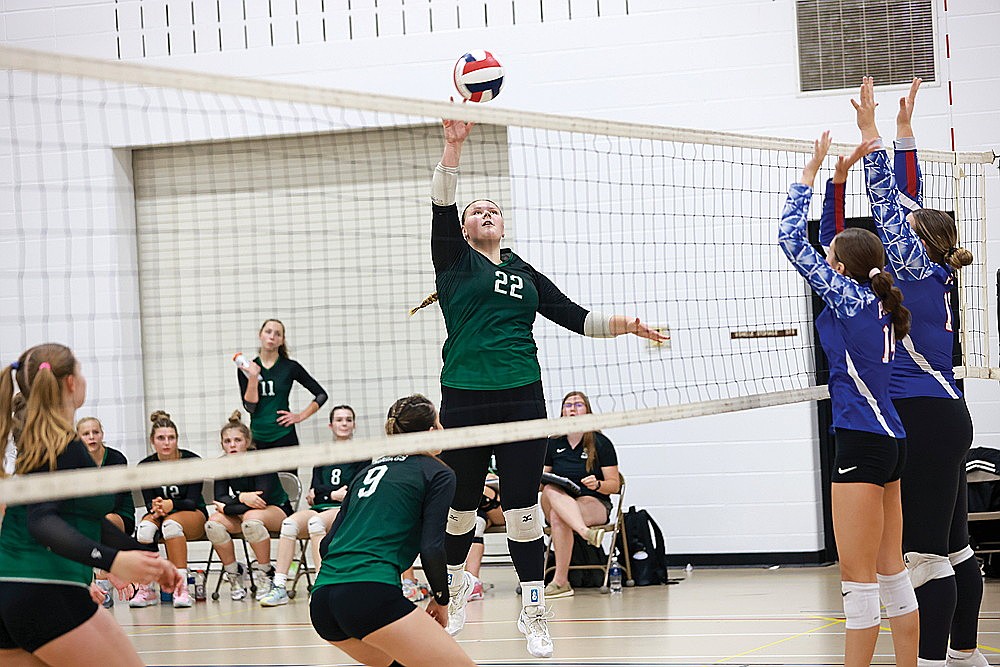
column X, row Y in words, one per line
column 184, row 574
column 532, row 593
column 973, row 658
column 233, row 568
column 280, row 579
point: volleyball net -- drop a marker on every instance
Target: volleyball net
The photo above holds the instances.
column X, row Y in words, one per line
column 157, row 217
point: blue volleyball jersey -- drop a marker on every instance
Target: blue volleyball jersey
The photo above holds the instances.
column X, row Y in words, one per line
column 923, row 366
column 854, row 330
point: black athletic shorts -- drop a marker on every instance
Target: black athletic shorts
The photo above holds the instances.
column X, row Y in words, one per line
column 291, row 439
column 129, row 522
column 32, row 615
column 867, row 457
column 345, row 611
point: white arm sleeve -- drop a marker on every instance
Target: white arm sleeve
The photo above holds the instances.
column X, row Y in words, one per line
column 444, row 184
column 905, row 144
column 597, row 325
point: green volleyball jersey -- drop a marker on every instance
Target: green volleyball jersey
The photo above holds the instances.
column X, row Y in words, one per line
column 489, row 311
column 395, row 508
column 327, row 479
column 23, row 559
column 273, row 391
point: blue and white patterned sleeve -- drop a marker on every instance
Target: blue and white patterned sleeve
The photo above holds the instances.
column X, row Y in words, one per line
column 904, row 252
column 843, row 296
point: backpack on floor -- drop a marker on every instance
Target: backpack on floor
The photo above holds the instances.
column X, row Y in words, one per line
column 646, row 548
column 583, row 554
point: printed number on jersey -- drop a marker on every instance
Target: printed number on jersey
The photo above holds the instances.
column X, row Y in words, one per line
column 889, row 338
column 335, row 477
column 371, row 480
column 171, row 491
column 266, row 388
column 947, row 311
column 508, row 285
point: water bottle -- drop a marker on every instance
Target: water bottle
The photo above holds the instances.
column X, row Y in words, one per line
column 615, row 577
column 242, row 362
column 199, row 585
column 166, row 595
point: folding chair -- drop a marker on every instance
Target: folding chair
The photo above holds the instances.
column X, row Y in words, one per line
column 614, row 527
column 983, row 530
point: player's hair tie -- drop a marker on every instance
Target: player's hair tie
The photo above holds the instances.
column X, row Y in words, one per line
column 951, row 251
column 16, row 365
column 874, row 272
column 45, row 364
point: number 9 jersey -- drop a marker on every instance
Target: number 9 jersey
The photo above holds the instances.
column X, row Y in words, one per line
column 394, row 509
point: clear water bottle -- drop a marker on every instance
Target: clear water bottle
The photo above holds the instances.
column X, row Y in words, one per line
column 242, row 363
column 615, row 577
column 199, row 585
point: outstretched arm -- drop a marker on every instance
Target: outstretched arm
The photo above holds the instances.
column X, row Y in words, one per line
column 447, row 241
column 556, row 306
column 865, row 109
column 833, row 220
column 909, row 180
column 904, row 251
column 844, row 296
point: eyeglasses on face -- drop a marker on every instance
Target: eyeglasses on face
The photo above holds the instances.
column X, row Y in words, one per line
column 568, row 405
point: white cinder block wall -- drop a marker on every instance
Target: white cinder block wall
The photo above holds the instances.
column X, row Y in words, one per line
column 743, row 483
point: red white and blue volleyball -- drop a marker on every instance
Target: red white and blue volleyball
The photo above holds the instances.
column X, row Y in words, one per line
column 478, row 76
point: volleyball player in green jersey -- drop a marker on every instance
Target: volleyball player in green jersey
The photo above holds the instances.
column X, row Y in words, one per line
column 394, row 509
column 326, row 492
column 48, row 550
column 265, row 387
column 254, row 505
column 489, row 297
column 91, row 433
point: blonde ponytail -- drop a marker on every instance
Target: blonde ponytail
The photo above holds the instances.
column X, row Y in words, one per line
column 46, row 430
column 431, row 298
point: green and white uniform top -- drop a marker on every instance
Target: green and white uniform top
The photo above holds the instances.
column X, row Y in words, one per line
column 61, row 541
column 395, row 508
column 273, row 391
column 327, row 479
column 489, row 310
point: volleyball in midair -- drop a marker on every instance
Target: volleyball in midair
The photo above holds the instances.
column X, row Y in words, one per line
column 478, row 76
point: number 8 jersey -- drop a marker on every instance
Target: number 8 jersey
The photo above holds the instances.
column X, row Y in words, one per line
column 489, row 310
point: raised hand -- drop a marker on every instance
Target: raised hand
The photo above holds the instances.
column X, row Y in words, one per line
column 820, row 148
column 905, row 115
column 456, row 131
column 865, row 109
column 844, row 164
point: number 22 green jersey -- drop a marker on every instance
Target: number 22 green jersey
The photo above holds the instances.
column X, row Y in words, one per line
column 489, row 310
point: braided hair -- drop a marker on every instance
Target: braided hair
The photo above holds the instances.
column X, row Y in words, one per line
column 411, row 414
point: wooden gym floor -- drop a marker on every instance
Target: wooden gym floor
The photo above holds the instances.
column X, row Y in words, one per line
column 786, row 616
